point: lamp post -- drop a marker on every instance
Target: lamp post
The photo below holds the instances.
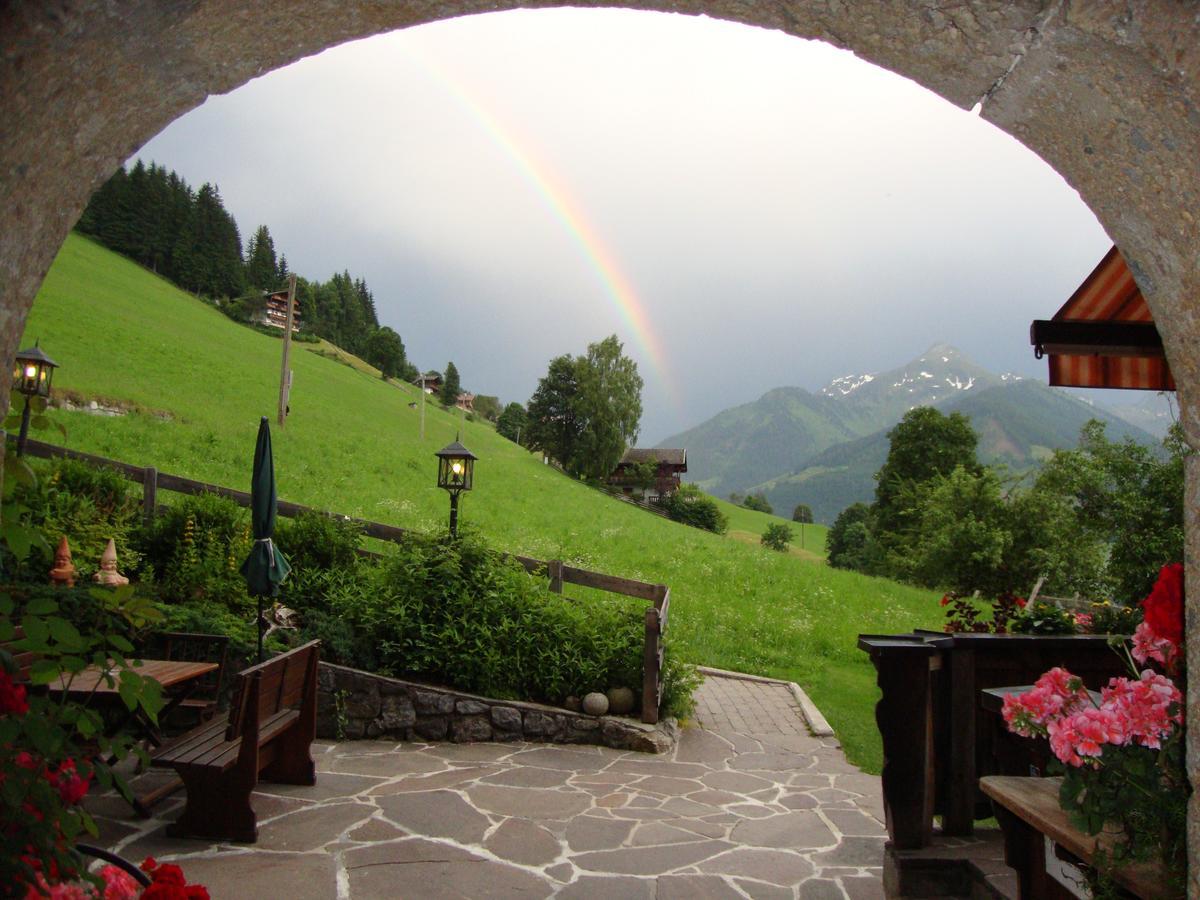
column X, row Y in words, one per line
column 32, row 371
column 456, row 469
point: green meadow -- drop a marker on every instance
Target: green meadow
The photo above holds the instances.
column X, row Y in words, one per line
column 196, row 385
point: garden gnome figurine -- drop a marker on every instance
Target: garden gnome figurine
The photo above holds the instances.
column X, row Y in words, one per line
column 63, row 573
column 108, row 573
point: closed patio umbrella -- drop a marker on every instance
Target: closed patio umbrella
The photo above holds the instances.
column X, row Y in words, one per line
column 265, row 568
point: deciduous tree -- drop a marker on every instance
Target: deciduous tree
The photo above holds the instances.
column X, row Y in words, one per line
column 609, row 403
column 511, row 422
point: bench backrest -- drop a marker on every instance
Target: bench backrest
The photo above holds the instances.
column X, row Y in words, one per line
column 287, row 681
column 23, row 658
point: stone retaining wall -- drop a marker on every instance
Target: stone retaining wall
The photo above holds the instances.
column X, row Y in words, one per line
column 353, row 704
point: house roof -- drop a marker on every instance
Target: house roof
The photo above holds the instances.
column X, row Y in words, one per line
column 662, row 455
column 1104, row 335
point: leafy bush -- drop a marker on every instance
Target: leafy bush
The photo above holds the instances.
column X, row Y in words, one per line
column 1109, row 618
column 88, row 505
column 206, row 617
column 1044, row 618
column 680, row 681
column 691, row 506
column 777, row 537
column 459, row 613
column 758, row 501
column 318, row 541
column 196, row 549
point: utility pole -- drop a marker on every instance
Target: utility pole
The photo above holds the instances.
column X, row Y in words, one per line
column 422, row 407
column 285, row 377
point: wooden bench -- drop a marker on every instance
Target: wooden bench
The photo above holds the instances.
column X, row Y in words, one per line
column 271, row 726
column 23, row 659
column 1038, row 831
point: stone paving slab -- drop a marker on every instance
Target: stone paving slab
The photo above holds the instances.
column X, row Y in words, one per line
column 765, row 814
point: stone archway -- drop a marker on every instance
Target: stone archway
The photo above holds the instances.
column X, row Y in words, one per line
column 1108, row 94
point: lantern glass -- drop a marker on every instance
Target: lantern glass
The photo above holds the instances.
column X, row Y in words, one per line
column 32, row 372
column 456, row 468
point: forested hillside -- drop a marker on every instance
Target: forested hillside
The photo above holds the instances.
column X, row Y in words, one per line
column 157, row 219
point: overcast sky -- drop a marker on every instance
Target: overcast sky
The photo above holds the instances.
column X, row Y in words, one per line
column 743, row 209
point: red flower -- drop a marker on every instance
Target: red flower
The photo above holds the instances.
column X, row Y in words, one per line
column 72, row 787
column 1021, row 602
column 12, row 696
column 169, row 874
column 149, row 864
column 945, row 599
column 1164, row 606
column 160, row 890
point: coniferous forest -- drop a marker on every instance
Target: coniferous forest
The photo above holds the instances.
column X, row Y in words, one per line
column 187, row 236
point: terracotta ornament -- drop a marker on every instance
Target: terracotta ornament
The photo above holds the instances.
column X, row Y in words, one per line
column 108, row 573
column 63, row 573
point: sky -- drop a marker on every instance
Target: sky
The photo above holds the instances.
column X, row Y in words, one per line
column 743, row 209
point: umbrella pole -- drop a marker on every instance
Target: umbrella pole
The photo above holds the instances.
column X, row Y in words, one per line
column 258, row 623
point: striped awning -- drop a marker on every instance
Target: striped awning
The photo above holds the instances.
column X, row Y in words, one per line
column 1104, row 335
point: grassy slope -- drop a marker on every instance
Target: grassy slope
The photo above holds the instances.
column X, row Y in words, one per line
column 352, row 445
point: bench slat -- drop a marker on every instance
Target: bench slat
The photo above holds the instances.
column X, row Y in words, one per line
column 1035, row 802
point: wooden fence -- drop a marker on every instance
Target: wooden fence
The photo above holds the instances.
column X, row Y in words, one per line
column 659, row 595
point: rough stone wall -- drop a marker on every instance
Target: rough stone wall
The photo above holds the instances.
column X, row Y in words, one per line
column 1108, row 93
column 354, row 704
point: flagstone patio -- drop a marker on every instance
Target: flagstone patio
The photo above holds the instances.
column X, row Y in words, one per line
column 772, row 814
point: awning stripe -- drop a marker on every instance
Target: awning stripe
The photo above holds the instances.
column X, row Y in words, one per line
column 1109, row 294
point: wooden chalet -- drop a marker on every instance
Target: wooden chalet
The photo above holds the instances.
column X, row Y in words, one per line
column 275, row 313
column 671, row 464
column 433, row 382
column 466, row 400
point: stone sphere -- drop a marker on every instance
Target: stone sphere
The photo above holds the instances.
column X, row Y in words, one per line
column 573, row 703
column 595, row 704
column 620, row 701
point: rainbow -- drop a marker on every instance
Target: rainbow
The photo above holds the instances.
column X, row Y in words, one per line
column 559, row 200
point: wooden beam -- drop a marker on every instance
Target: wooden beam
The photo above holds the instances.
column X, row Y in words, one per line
column 1067, row 338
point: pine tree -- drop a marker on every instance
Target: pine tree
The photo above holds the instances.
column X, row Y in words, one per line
column 262, row 270
column 451, row 386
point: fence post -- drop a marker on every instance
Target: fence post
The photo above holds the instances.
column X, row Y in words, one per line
column 651, row 661
column 554, row 569
column 149, row 493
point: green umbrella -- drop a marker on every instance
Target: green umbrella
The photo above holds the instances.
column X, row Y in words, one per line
column 265, row 568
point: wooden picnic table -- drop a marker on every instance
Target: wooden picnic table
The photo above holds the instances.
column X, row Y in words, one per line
column 167, row 672
column 179, row 678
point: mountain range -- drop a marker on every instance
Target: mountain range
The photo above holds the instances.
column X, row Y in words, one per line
column 824, row 448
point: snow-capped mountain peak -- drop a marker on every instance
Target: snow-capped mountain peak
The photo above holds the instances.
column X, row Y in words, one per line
column 842, row 386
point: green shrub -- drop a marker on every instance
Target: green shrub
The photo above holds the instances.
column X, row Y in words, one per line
column 680, row 681
column 458, row 613
column 1043, row 618
column 777, row 537
column 691, row 506
column 758, row 502
column 207, row 617
column 86, row 504
column 315, row 540
column 196, row 549
column 1108, row 618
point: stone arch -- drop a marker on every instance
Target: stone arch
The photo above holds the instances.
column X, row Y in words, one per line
column 1108, row 94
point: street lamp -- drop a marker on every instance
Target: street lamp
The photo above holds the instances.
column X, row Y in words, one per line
column 32, row 371
column 456, row 467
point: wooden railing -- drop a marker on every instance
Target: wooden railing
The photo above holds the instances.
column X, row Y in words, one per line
column 937, row 733
column 152, row 481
